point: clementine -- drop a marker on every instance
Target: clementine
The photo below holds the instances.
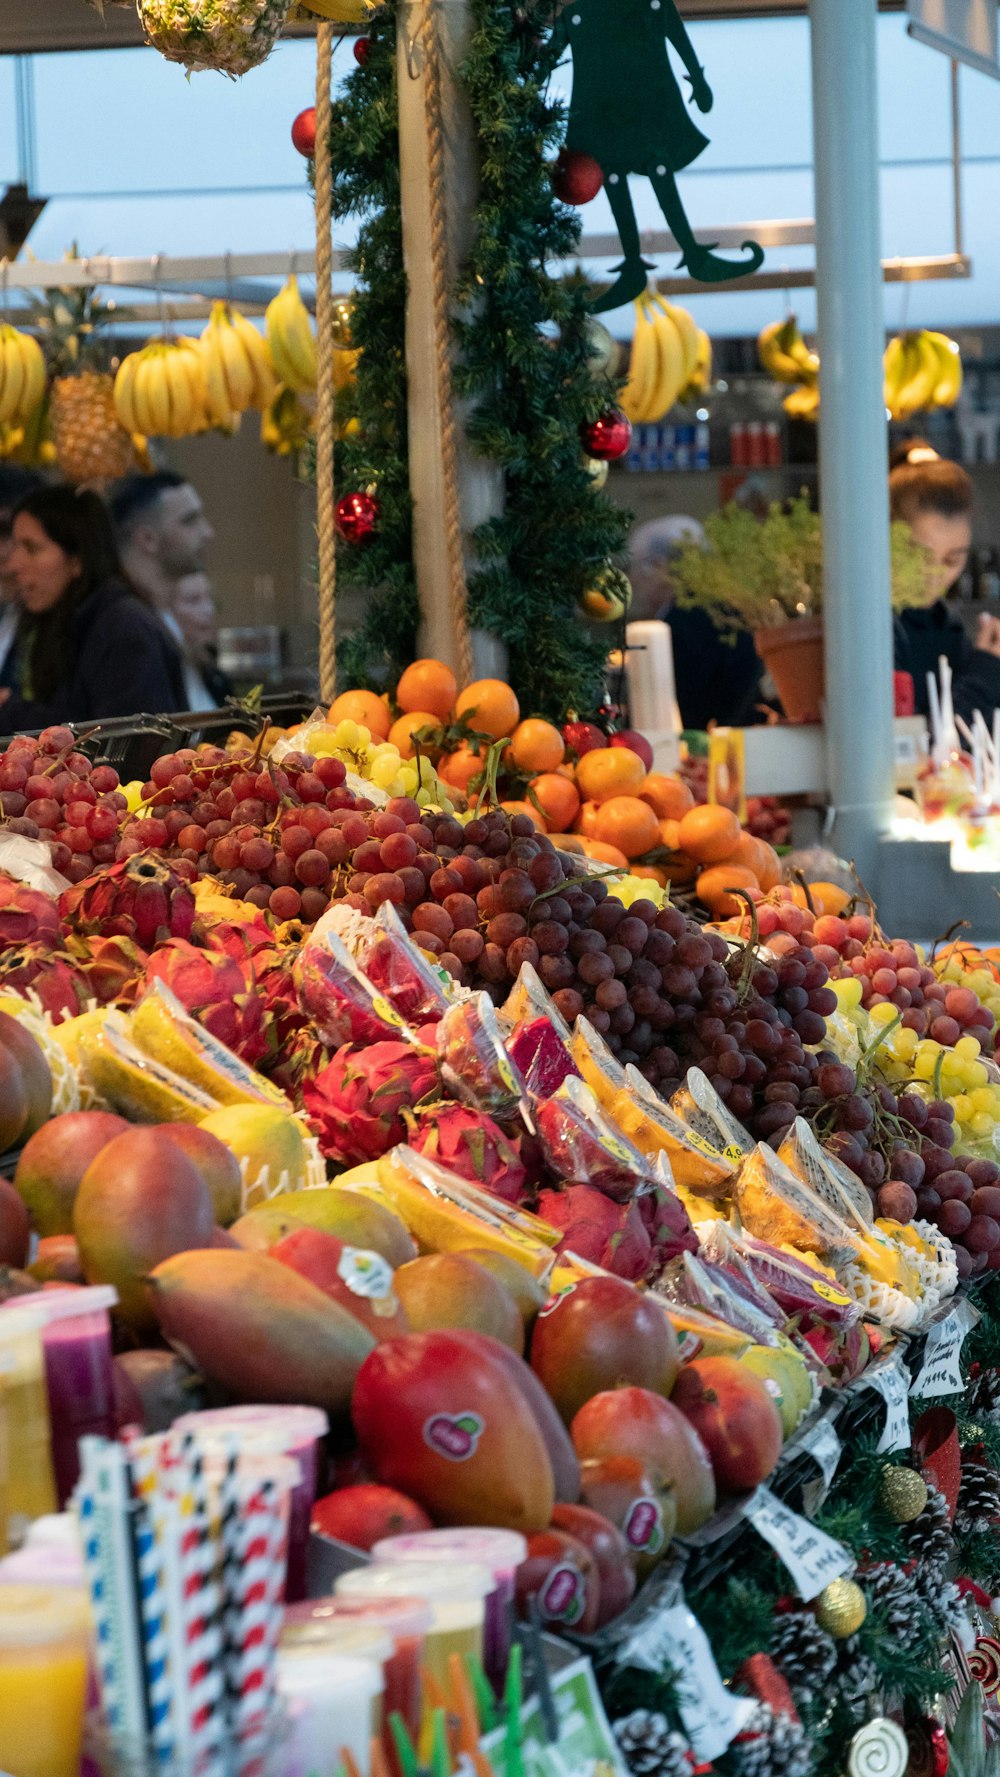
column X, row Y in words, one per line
column 827, row 897
column 536, row 746
column 402, row 731
column 609, row 771
column 490, row 707
column 709, row 833
column 427, row 685
column 363, row 707
column 750, row 851
column 604, row 854
column 586, row 820
column 558, row 798
column 459, row 768
column 628, row 823
column 713, row 887
column 669, row 797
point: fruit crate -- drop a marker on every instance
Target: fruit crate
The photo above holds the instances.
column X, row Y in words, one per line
column 131, row 743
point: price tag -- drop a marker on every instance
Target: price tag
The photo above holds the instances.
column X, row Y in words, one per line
column 712, row 1716
column 941, row 1372
column 812, row 1558
column 889, row 1381
column 823, row 1445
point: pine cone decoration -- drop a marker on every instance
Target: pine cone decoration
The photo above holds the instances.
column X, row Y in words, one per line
column 893, row 1594
column 650, row 1747
column 929, row 1537
column 982, row 1399
column 978, row 1506
column 804, row 1654
column 856, row 1678
column 771, row 1745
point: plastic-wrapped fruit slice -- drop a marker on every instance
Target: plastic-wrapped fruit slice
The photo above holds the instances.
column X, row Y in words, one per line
column 446, row 1213
column 839, row 1189
column 528, row 999
column 133, row 1083
column 164, row 1031
column 474, row 1062
column 584, row 1147
column 655, row 1128
column 401, row 973
column 699, row 1106
column 338, row 997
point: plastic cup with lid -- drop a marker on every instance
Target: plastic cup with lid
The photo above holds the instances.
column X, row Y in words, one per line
column 456, row 1595
column 502, row 1551
column 27, row 1483
column 334, row 1698
column 405, row 1620
column 76, row 1344
column 43, row 1677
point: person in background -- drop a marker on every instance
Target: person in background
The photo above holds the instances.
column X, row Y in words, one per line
column 934, row 497
column 717, row 679
column 87, row 646
column 15, row 485
column 192, row 618
column 162, row 533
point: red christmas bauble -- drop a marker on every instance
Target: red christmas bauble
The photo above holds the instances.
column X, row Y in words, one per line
column 304, row 131
column 608, row 437
column 362, row 50
column 576, row 177
column 357, row 517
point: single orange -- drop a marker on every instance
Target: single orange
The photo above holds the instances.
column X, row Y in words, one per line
column 609, row 771
column 670, row 834
column 402, row 731
column 750, row 851
column 713, row 888
column 586, row 820
column 536, row 746
column 770, row 876
column 459, row 768
column 490, row 707
column 427, row 685
column 605, row 854
column 652, row 873
column 669, row 797
column 558, row 798
column 629, row 824
column 363, row 707
column 827, row 897
column 528, row 809
column 709, row 833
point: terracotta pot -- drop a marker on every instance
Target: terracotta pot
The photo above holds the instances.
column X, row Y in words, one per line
column 793, row 655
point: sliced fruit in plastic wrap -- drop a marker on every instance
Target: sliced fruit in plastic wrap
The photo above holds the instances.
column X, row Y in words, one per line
column 600, row 1069
column 584, row 1147
column 777, row 1205
column 797, row 1288
column 30, row 861
column 650, row 1123
column 446, row 1213
column 345, row 1007
column 528, row 999
column 691, row 1282
column 540, row 1056
column 474, row 1062
column 402, row 973
column 699, row 1106
column 166, row 1032
column 719, row 1247
column 844, row 1194
column 133, row 1083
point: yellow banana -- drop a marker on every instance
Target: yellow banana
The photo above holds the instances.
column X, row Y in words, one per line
column 642, row 365
column 236, row 366
column 803, row 402
column 125, row 392
column 894, row 362
column 183, row 411
column 12, row 375
column 192, row 366
column 290, row 337
column 217, row 403
column 33, row 359
column 773, row 355
column 949, row 384
column 920, row 375
column 259, row 359
column 671, row 361
column 687, row 327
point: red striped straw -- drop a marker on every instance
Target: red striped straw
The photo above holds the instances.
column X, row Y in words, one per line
column 201, row 1607
column 252, row 1638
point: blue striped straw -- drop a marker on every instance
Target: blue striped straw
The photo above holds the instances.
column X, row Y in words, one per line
column 109, row 1538
column 98, row 1581
column 155, row 1646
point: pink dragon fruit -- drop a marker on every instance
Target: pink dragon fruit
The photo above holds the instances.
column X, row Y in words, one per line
column 609, row 1234
column 667, row 1223
column 53, row 975
column 212, row 987
column 357, row 1103
column 471, row 1144
column 542, row 1056
column 143, row 898
column 27, row 916
column 240, row 939
column 114, row 967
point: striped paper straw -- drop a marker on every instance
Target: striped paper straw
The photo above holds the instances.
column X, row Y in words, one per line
column 229, row 1568
column 200, row 1602
column 99, row 1582
column 252, row 1621
column 141, row 1470
column 109, row 1539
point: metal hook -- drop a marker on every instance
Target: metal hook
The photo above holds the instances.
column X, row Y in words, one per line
column 4, row 294
column 158, row 287
column 228, row 272
column 293, row 263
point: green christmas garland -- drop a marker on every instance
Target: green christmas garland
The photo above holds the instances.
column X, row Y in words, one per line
column 524, row 362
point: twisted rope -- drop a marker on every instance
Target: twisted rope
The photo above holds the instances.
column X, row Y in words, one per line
column 325, row 418
column 457, row 588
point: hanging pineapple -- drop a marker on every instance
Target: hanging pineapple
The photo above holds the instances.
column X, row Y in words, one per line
column 90, row 443
column 230, row 36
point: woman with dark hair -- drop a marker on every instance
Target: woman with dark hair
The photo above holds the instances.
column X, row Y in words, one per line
column 87, row 646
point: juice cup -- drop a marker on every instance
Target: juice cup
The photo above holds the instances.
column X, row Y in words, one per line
column 287, row 1431
column 502, row 1551
column 334, row 1701
column 76, row 1343
column 43, row 1677
column 405, row 1620
column 27, row 1484
column 456, row 1595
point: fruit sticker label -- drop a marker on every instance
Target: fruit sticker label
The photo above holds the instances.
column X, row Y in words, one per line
column 941, row 1371
column 563, row 1596
column 812, row 1558
column 455, row 1436
column 643, row 1526
column 366, row 1274
column 554, row 1300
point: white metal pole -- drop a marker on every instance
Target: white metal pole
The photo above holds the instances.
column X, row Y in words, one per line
column 853, row 445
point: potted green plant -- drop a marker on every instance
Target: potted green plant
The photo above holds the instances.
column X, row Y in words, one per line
column 766, row 576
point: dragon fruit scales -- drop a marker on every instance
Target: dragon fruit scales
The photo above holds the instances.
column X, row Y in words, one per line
column 141, row 898
column 470, row 1143
column 357, row 1103
column 212, row 987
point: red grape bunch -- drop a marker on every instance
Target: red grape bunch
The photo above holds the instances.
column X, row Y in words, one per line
column 52, row 792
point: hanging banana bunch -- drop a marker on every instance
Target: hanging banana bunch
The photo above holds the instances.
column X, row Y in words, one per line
column 923, row 370
column 291, row 340
column 784, row 354
column 160, row 390
column 286, row 425
column 22, row 375
column 669, row 352
column 238, row 369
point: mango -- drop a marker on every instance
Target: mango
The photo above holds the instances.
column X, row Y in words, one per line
column 258, row 1329
column 217, row 1164
column 269, row 1145
column 35, row 1071
column 359, row 1279
column 352, row 1217
column 439, row 1420
column 636, row 1422
column 450, row 1290
column 54, row 1161
column 558, row 1443
column 602, row 1333
column 527, row 1291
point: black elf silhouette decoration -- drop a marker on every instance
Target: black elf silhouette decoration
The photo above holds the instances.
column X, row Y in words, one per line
column 628, row 113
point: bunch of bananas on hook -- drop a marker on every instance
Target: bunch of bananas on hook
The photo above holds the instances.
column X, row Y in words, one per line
column 784, row 353
column 160, row 391
column 923, row 370
column 22, row 375
column 670, row 360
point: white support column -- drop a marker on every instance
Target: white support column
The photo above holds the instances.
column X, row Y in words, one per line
column 853, row 440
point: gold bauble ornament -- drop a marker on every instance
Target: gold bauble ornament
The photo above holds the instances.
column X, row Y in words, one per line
column 340, row 330
column 841, row 1609
column 597, row 471
column 903, row 1494
column 608, row 596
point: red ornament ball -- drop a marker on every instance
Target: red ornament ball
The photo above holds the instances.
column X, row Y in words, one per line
column 362, row 50
column 304, row 131
column 576, row 177
column 608, row 437
column 357, row 517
